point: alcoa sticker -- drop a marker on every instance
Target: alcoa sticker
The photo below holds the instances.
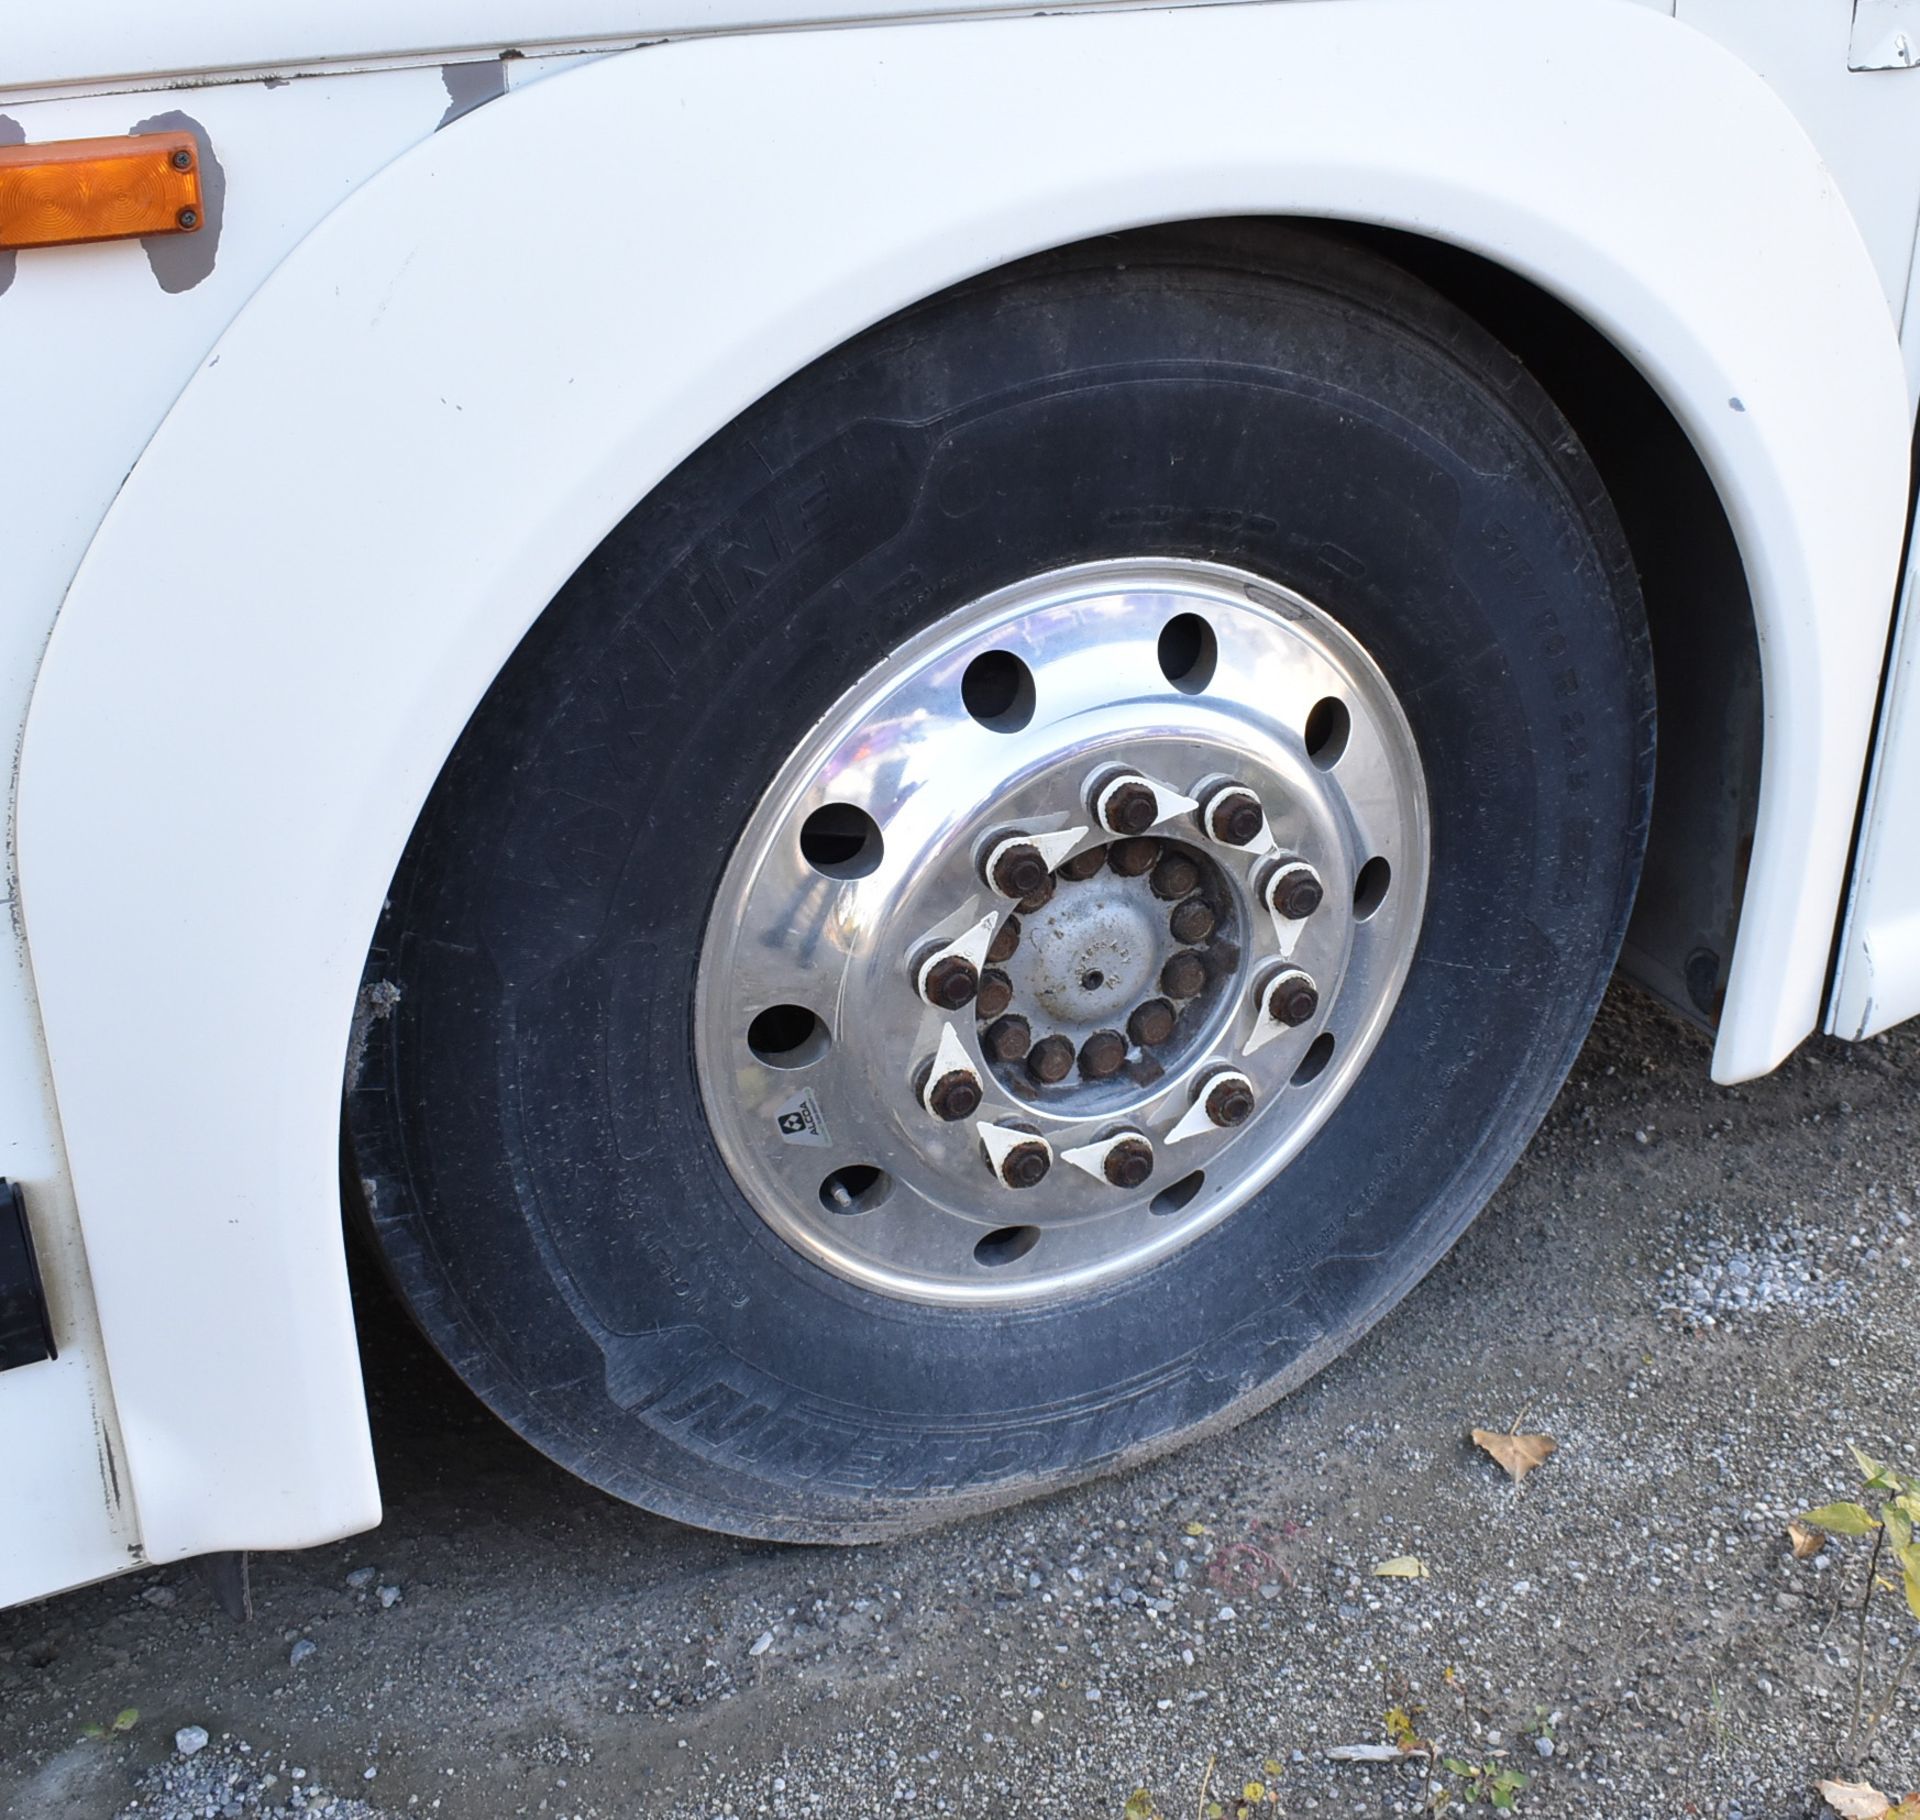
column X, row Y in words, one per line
column 800, row 1122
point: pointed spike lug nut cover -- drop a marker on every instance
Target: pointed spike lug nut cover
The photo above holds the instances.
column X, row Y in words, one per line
column 947, row 981
column 1125, row 802
column 1232, row 815
column 1293, row 890
column 1290, row 997
column 1227, row 1095
column 1129, row 1162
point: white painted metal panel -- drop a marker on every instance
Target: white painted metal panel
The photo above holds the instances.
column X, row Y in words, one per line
column 92, row 356
column 463, row 378
column 1867, row 127
column 1878, row 982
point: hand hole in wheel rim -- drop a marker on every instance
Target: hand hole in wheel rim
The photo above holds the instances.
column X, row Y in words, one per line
column 997, row 689
column 858, row 1188
column 1326, row 731
column 1188, row 652
column 1007, row 1245
column 787, row 1036
column 1319, row 1054
column 1176, row 1195
column 841, row 841
column 1370, row 888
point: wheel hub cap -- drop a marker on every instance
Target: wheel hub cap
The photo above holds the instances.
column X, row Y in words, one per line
column 949, row 1093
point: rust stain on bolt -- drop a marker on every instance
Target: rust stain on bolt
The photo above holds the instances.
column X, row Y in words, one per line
column 1083, row 865
column 954, row 1096
column 949, row 984
column 1025, row 1165
column 1295, row 892
column 1019, row 871
column 1050, row 1059
column 1292, row 999
column 994, row 996
column 1008, row 1039
column 1230, row 1100
column 1174, row 877
column 1104, row 1053
column 1130, row 858
column 1041, row 895
column 1234, row 815
column 1151, row 1022
column 1184, row 975
column 1005, row 940
column 1191, row 921
column 1129, row 1163
column 1130, row 809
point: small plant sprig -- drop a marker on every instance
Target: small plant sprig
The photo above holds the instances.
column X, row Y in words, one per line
column 122, row 1721
column 1898, row 1500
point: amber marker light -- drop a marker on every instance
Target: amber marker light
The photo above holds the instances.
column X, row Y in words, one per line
column 68, row 191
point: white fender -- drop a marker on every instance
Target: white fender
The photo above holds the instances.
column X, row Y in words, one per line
column 446, row 396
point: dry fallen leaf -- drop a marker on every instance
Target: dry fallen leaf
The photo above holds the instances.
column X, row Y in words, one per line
column 1402, row 1567
column 1519, row 1454
column 1854, row 1800
column 1806, row 1542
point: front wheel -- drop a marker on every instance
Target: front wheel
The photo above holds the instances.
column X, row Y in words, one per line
column 1020, row 900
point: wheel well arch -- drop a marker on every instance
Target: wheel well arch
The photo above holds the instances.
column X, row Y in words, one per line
column 1700, row 611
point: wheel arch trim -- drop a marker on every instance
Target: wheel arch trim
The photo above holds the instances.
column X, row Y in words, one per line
column 383, row 471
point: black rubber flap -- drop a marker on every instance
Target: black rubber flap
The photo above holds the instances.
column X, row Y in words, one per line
column 26, row 1335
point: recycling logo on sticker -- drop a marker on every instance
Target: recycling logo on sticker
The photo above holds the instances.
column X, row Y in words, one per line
column 799, row 1121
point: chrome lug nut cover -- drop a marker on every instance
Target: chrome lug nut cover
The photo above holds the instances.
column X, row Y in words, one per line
column 1120, row 932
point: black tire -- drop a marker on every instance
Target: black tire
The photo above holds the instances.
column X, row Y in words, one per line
column 538, row 1172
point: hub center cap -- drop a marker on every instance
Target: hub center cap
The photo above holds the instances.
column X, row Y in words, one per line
column 1061, row 932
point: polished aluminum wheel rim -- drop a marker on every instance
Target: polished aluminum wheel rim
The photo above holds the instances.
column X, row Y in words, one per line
column 865, row 954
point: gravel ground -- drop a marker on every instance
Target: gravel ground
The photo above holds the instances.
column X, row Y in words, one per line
column 1704, row 1294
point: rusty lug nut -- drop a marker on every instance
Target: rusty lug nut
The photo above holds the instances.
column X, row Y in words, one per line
column 1130, row 858
column 1007, row 1039
column 1083, row 865
column 1125, row 803
column 1041, row 895
column 1005, row 940
column 1233, row 814
column 1291, row 997
column 1227, row 1095
column 1293, row 890
column 1025, row 1165
column 1129, row 1162
column 1050, row 1059
column 1019, row 868
column 953, row 1095
column 1191, row 921
column 1104, row 1053
column 949, row 983
column 1184, row 975
column 1174, row 877
column 1151, row 1022
column 994, row 996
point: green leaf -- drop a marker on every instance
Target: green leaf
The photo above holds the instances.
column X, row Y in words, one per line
column 1899, row 1526
column 126, row 1718
column 1139, row 1806
column 1870, row 1468
column 1841, row 1520
column 1453, row 1766
column 1910, row 1580
column 91, row 1730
